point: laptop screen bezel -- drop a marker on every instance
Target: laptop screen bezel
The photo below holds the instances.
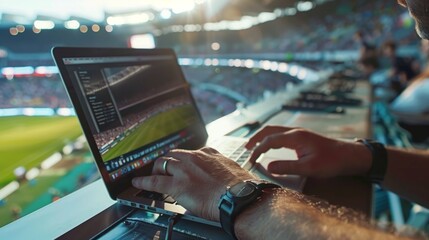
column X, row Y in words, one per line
column 59, row 53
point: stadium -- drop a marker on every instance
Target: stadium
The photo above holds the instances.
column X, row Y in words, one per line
column 233, row 54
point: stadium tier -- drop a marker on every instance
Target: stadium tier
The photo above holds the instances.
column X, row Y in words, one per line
column 317, row 30
column 217, row 89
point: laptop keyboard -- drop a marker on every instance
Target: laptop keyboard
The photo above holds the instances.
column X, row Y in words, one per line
column 233, row 149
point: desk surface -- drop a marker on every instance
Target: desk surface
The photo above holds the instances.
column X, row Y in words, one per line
column 355, row 123
column 81, row 206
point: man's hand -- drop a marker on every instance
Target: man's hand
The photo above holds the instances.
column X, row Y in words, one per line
column 318, row 156
column 196, row 179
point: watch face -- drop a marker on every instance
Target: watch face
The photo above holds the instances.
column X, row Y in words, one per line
column 242, row 189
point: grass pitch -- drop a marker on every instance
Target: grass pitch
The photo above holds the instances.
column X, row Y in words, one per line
column 27, row 141
column 154, row 128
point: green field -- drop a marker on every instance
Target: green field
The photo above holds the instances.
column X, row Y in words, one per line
column 38, row 193
column 154, row 128
column 25, row 195
column 27, row 141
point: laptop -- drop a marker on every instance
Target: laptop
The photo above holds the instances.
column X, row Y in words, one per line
column 134, row 105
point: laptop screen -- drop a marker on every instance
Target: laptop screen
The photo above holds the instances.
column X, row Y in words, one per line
column 137, row 108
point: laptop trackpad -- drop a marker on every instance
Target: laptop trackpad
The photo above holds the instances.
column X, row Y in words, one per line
column 294, row 182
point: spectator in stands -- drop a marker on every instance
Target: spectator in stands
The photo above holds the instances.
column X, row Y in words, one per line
column 368, row 56
column 368, row 65
column 366, row 49
column 401, row 69
column 197, row 179
column 411, row 107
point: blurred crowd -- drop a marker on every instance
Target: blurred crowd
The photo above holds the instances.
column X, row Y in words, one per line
column 318, row 30
column 33, row 92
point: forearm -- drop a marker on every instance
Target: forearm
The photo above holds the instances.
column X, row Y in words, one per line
column 408, row 174
column 285, row 214
column 407, row 170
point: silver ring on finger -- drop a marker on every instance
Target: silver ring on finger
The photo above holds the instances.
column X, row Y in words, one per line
column 164, row 167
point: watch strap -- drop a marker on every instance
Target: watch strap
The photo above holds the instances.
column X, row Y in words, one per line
column 226, row 221
column 379, row 160
column 229, row 210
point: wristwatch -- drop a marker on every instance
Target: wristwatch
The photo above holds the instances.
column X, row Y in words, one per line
column 237, row 198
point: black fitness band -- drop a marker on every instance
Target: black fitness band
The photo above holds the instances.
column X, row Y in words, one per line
column 379, row 160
